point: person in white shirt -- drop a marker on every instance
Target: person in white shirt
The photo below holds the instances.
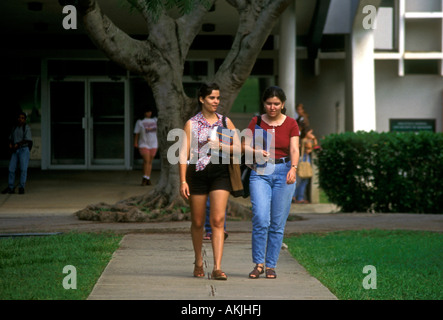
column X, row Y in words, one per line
column 145, row 139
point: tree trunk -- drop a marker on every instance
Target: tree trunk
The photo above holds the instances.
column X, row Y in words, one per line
column 160, row 60
column 168, row 94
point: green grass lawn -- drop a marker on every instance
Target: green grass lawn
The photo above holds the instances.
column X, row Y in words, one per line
column 32, row 268
column 408, row 264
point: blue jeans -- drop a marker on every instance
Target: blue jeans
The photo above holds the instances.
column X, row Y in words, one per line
column 300, row 191
column 271, row 201
column 301, row 188
column 20, row 155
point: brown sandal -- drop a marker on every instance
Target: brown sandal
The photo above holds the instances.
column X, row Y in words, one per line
column 219, row 275
column 199, row 272
column 270, row 273
column 258, row 270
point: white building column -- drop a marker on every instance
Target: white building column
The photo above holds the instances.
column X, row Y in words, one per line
column 288, row 58
column 361, row 80
column 45, row 117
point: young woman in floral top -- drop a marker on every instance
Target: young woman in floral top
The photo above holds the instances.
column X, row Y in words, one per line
column 204, row 177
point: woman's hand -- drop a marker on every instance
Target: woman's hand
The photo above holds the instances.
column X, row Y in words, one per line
column 214, row 144
column 291, row 177
column 184, row 190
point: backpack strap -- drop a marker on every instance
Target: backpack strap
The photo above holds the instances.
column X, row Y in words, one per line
column 259, row 120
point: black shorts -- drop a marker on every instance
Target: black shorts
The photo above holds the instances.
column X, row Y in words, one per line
column 212, row 177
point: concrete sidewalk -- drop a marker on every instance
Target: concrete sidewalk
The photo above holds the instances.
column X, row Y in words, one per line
column 160, row 266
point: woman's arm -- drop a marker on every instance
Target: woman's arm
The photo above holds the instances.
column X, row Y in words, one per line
column 295, row 156
column 236, row 148
column 136, row 140
column 183, row 160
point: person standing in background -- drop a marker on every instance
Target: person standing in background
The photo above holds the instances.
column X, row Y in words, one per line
column 145, row 139
column 302, row 120
column 308, row 145
column 20, row 142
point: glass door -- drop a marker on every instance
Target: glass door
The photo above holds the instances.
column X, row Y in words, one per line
column 88, row 124
column 67, row 111
column 107, row 123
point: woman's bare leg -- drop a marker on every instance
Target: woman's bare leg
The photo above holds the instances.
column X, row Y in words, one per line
column 218, row 200
column 198, row 216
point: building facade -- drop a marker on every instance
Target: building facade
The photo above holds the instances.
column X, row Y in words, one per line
column 354, row 64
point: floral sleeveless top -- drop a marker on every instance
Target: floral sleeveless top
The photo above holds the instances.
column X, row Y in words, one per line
column 200, row 132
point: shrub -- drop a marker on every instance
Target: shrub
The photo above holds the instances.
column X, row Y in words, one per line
column 383, row 172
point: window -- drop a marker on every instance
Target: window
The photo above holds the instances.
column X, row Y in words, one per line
column 195, row 69
column 386, row 32
column 422, row 67
column 63, row 68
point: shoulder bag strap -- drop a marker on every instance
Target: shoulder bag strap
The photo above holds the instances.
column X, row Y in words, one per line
column 259, row 120
column 302, row 149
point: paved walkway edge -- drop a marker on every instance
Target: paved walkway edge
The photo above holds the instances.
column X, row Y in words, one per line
column 159, row 267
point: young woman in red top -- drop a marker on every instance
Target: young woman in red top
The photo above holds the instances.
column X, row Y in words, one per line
column 273, row 184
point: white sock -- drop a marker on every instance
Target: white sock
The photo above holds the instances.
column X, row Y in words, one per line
column 146, row 177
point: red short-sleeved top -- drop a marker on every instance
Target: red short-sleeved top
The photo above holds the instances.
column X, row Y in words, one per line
column 283, row 134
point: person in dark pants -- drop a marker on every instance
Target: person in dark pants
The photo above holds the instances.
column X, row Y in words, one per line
column 20, row 141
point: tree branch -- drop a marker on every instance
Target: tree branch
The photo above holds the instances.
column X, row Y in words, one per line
column 257, row 19
column 188, row 27
column 115, row 43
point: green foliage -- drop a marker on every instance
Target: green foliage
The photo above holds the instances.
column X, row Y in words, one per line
column 157, row 7
column 248, row 100
column 408, row 264
column 383, row 172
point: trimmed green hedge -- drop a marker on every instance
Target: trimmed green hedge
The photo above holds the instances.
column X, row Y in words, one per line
column 383, row 172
